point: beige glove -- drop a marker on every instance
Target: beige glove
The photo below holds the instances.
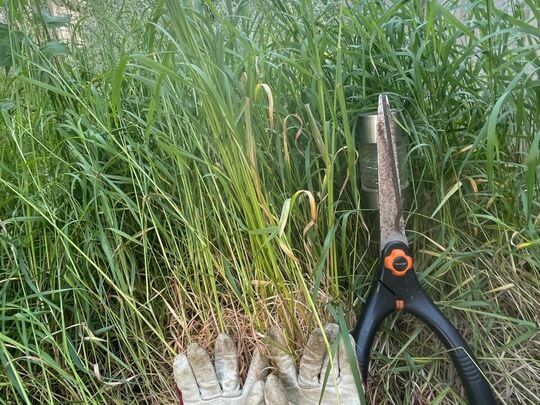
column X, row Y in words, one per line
column 307, row 386
column 202, row 384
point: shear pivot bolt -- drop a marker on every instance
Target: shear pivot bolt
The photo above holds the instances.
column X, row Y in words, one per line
column 398, row 262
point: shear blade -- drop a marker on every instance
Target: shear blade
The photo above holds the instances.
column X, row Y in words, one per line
column 392, row 224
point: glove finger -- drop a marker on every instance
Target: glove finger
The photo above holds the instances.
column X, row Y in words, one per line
column 256, row 395
column 226, row 359
column 346, row 361
column 184, row 379
column 312, row 359
column 204, row 371
column 330, row 375
column 256, row 371
column 283, row 360
column 274, row 392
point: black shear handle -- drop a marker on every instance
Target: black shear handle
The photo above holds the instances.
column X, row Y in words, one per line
column 476, row 386
column 382, row 302
column 378, row 306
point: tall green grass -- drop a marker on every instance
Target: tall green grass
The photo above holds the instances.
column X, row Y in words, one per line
column 185, row 168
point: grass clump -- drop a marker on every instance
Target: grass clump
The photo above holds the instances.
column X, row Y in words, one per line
column 185, row 168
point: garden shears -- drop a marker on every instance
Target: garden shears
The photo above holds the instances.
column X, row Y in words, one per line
column 395, row 285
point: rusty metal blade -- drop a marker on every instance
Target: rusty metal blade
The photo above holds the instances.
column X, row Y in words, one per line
column 392, row 224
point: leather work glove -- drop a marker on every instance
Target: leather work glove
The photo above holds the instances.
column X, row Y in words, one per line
column 202, row 384
column 307, row 385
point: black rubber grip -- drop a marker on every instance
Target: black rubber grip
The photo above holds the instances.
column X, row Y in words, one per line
column 476, row 386
column 377, row 307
